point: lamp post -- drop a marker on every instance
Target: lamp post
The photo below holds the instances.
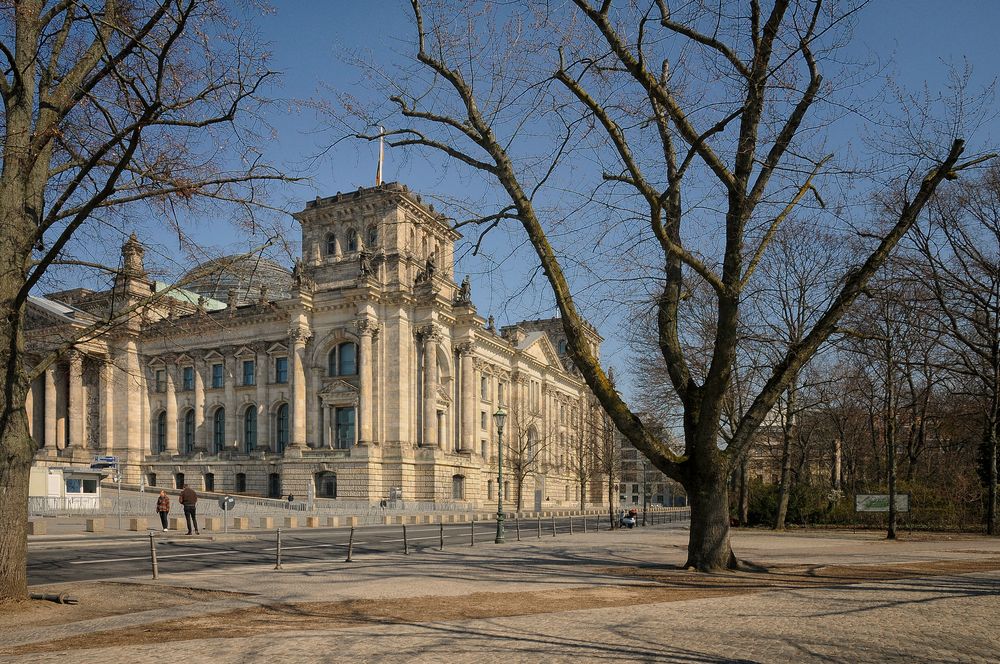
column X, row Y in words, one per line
column 500, row 417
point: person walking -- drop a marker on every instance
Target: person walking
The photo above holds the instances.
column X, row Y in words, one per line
column 189, row 499
column 162, row 508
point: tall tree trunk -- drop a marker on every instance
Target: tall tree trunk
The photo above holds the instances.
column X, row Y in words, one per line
column 785, row 483
column 16, row 447
column 745, row 489
column 991, row 473
column 709, row 548
column 890, row 441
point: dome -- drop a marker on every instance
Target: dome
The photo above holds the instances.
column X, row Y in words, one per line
column 247, row 275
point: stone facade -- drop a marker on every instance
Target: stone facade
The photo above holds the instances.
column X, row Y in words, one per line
column 370, row 372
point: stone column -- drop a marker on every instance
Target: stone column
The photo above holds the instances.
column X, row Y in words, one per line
column 173, row 428
column 77, row 409
column 366, row 330
column 297, row 406
column 430, row 339
column 50, row 409
column 232, row 370
column 468, row 398
column 263, row 439
column 107, row 413
column 202, row 437
column 313, row 411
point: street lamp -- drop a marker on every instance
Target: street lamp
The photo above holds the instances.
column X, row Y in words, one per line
column 500, row 417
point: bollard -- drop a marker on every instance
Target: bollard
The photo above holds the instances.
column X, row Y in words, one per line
column 517, row 527
column 277, row 551
column 472, row 536
column 152, row 556
column 350, row 546
column 441, row 543
column 553, row 525
column 538, row 521
column 570, row 524
column 584, row 524
column 406, row 547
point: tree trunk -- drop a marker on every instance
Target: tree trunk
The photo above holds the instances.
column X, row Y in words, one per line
column 785, row 483
column 745, row 489
column 16, row 450
column 708, row 542
column 991, row 471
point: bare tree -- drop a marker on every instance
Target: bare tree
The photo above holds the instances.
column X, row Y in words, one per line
column 725, row 126
column 108, row 105
column 527, row 446
column 960, row 247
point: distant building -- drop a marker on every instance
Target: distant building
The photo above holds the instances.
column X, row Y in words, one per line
column 363, row 371
column 641, row 483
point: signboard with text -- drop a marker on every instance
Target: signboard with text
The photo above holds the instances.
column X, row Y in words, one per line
column 879, row 502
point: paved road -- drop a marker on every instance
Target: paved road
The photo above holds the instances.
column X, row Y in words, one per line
column 114, row 558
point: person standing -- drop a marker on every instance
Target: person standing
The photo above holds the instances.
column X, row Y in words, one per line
column 189, row 499
column 163, row 508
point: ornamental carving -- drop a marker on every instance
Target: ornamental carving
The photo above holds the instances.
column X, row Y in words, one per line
column 298, row 334
column 367, row 326
column 428, row 333
column 464, row 348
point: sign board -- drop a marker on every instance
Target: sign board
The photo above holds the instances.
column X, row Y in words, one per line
column 227, row 503
column 104, row 462
column 879, row 502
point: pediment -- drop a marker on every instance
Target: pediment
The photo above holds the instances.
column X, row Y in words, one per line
column 157, row 363
column 277, row 349
column 541, row 350
column 246, row 352
column 184, row 358
column 213, row 356
column 339, row 392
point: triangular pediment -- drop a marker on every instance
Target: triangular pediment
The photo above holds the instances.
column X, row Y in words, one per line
column 339, row 392
column 538, row 347
column 213, row 356
column 246, row 351
column 278, row 349
column 157, row 363
column 184, row 358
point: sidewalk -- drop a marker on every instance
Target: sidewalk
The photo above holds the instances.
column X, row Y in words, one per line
column 603, row 596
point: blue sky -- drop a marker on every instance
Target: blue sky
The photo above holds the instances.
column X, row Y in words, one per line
column 916, row 40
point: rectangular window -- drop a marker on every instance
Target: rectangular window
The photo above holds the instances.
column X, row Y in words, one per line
column 484, row 388
column 218, row 377
column 482, row 446
column 161, row 380
column 281, row 370
column 344, row 435
column 248, row 372
column 188, row 378
column 482, row 420
column 500, row 393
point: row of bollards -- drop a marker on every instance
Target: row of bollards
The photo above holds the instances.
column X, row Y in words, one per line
column 656, row 517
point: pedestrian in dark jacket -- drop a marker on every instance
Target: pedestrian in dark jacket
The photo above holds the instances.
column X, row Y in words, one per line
column 163, row 508
column 189, row 499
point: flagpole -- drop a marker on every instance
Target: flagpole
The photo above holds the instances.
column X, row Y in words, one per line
column 381, row 155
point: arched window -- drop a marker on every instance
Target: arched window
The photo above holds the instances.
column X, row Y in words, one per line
column 250, row 429
column 241, row 482
column 562, row 346
column 161, row 433
column 331, row 245
column 326, row 485
column 347, row 359
column 281, row 428
column 372, row 236
column 189, row 432
column 458, row 487
column 219, row 429
column 343, row 360
column 352, row 240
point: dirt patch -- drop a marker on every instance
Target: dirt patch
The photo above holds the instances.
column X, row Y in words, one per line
column 798, row 576
column 100, row 599
column 339, row 615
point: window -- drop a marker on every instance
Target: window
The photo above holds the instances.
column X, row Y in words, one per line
column 241, row 482
column 331, row 245
column 218, row 378
column 189, row 432
column 219, row 429
column 482, row 447
column 179, row 481
column 372, row 236
column 274, row 485
column 562, row 346
column 484, row 388
column 343, row 360
column 281, row 427
column 482, row 420
column 489, row 489
column 209, row 481
column 161, row 433
column 281, row 370
column 161, row 380
column 326, row 485
column 250, row 429
column 567, row 492
column 344, row 425
column 249, row 369
column 500, row 393
column 458, row 487
column 151, row 479
column 188, row 378
column 506, row 490
column 352, row 240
